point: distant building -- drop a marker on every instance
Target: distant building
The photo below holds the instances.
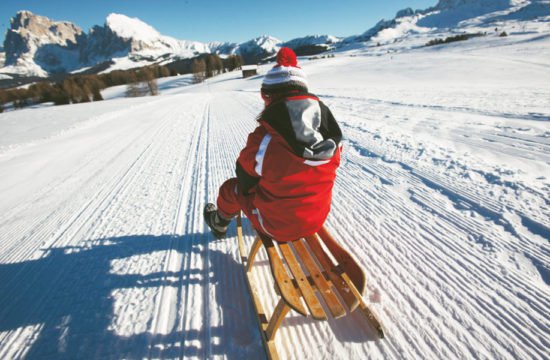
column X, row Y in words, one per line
column 249, row 70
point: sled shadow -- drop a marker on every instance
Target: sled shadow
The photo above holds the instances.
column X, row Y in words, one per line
column 352, row 328
column 86, row 303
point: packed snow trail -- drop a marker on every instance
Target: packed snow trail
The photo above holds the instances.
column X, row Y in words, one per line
column 115, row 263
column 104, row 252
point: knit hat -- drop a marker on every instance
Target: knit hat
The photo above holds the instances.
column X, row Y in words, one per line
column 286, row 75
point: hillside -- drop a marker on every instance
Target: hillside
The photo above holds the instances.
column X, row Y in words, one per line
column 36, row 46
column 442, row 196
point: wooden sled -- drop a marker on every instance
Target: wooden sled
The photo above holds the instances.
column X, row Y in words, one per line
column 304, row 273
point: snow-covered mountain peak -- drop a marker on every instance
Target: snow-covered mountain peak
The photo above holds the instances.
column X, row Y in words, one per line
column 267, row 42
column 452, row 4
column 36, row 45
column 258, row 48
column 312, row 44
column 131, row 28
column 452, row 15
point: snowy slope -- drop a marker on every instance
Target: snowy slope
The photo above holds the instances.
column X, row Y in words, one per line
column 451, row 17
column 442, row 196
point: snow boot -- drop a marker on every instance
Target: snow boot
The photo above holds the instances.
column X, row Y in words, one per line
column 216, row 223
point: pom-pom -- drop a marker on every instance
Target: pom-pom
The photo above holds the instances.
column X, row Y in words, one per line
column 286, row 57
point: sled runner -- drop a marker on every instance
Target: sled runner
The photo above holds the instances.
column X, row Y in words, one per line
column 305, row 273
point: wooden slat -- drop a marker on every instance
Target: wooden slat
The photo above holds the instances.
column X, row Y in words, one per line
column 345, row 261
column 240, row 239
column 324, row 288
column 332, row 273
column 284, row 283
column 308, row 293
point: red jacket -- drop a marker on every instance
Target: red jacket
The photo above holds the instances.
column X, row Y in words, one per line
column 289, row 165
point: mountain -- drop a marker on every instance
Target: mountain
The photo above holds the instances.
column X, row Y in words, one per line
column 123, row 36
column 450, row 15
column 38, row 46
column 313, row 44
column 258, row 48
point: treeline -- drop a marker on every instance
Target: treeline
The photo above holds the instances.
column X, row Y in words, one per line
column 209, row 65
column 84, row 88
column 450, row 39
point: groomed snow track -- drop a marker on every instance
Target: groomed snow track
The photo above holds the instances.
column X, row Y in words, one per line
column 104, row 253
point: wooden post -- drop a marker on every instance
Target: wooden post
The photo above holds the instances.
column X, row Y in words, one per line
column 276, row 319
column 253, row 251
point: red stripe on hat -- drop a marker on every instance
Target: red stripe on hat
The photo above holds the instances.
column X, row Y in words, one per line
column 302, row 97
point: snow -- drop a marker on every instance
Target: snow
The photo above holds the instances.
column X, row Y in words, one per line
column 442, row 196
column 312, row 40
column 165, row 85
column 400, row 30
column 131, row 28
column 24, row 68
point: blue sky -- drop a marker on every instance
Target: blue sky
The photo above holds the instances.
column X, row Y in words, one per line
column 215, row 20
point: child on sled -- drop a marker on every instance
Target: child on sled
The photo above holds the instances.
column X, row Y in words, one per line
column 285, row 173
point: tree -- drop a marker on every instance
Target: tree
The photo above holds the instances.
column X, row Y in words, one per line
column 233, row 62
column 59, row 96
column 199, row 70
column 164, row 71
column 73, row 91
column 4, row 98
column 96, row 95
column 218, row 64
column 94, row 85
column 209, row 66
column 153, row 86
column 45, row 90
column 20, row 98
column 148, row 77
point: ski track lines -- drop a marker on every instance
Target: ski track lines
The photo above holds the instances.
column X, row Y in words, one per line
column 533, row 148
column 437, row 306
column 125, row 267
column 435, row 236
column 39, row 227
column 135, row 201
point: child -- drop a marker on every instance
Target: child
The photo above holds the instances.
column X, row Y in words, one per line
column 286, row 172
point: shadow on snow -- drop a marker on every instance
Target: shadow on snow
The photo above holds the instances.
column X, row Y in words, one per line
column 69, row 297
